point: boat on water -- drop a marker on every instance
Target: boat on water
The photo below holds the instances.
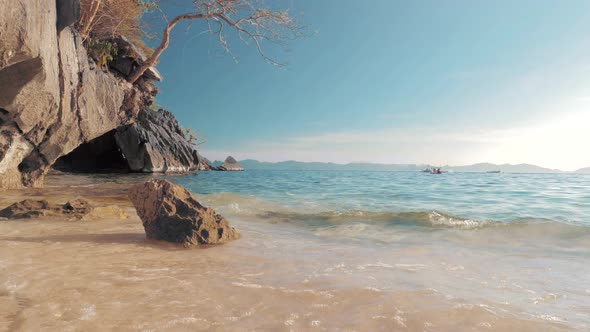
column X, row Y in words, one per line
column 434, row 170
column 494, row 172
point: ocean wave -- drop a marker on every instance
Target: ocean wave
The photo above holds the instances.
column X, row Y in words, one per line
column 434, row 219
column 355, row 220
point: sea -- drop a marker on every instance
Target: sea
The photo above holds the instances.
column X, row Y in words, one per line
column 320, row 251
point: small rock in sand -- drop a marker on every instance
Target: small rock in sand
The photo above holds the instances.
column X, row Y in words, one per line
column 77, row 207
column 30, row 208
column 26, row 209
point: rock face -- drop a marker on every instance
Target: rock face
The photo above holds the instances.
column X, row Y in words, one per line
column 68, row 12
column 29, row 208
column 129, row 58
column 156, row 143
column 230, row 164
column 52, row 96
column 170, row 213
column 205, row 165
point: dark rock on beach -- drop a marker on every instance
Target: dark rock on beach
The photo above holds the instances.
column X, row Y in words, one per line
column 30, row 208
column 26, row 209
column 78, row 207
column 171, row 213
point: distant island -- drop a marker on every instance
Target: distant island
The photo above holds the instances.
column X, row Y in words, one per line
column 317, row 166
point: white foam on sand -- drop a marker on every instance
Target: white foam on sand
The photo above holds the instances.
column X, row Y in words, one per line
column 88, row 312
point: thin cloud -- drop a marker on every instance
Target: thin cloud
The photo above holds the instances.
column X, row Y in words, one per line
column 557, row 143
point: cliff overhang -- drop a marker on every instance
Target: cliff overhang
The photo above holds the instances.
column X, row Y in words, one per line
column 53, row 96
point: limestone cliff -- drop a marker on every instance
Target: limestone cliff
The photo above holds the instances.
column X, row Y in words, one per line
column 154, row 143
column 52, row 96
column 157, row 143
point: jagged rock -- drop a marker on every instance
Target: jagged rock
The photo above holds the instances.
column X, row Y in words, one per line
column 170, row 213
column 205, row 165
column 26, row 209
column 41, row 208
column 231, row 164
column 13, row 149
column 52, row 97
column 128, row 58
column 77, row 207
column 156, row 143
column 68, row 13
column 29, row 79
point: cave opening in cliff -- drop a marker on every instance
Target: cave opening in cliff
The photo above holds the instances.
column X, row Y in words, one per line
column 100, row 155
column 3, row 114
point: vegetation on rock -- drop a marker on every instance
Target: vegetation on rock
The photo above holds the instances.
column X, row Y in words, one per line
column 251, row 21
column 102, row 51
column 106, row 19
column 101, row 21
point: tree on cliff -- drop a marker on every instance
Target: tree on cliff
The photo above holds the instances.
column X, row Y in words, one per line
column 250, row 20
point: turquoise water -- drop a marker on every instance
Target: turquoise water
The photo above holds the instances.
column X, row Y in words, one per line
column 364, row 251
column 563, row 198
column 494, row 240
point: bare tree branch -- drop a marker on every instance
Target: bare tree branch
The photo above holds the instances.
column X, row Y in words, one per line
column 87, row 21
column 250, row 19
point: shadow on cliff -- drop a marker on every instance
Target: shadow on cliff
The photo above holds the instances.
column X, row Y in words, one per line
column 13, row 78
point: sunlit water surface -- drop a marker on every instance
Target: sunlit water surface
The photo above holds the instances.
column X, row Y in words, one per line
column 362, row 251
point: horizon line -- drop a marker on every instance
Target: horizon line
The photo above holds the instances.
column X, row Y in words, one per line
column 408, row 164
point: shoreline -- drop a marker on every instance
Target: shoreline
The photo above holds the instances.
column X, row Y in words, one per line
column 103, row 274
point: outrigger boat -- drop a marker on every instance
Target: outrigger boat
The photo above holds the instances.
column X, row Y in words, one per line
column 434, row 170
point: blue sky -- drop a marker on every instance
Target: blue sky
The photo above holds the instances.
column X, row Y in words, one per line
column 439, row 82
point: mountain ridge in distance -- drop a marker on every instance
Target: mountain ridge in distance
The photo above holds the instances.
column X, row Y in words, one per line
column 366, row 166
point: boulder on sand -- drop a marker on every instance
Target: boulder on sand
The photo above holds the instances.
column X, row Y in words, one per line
column 171, row 213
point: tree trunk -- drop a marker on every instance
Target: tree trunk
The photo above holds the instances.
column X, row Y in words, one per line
column 87, row 22
column 151, row 61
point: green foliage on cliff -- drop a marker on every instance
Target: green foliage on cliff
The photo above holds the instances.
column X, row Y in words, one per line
column 102, row 51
